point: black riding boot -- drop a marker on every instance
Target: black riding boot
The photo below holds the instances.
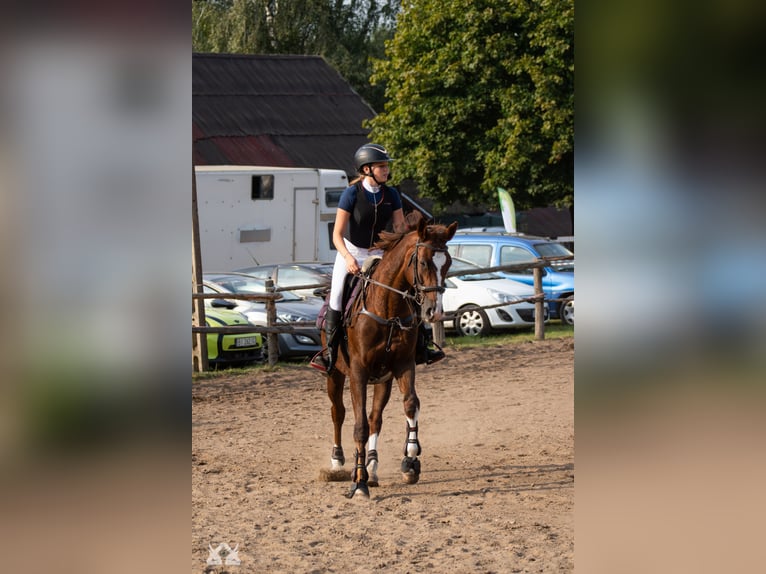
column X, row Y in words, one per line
column 424, row 354
column 332, row 332
column 325, row 360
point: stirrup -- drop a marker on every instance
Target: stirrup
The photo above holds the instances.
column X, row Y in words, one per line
column 319, row 362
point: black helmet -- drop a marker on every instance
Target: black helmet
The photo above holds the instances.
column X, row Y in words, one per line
column 370, row 153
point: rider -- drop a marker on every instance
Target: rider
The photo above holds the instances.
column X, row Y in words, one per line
column 367, row 207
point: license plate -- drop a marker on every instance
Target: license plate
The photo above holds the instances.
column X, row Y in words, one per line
column 246, row 342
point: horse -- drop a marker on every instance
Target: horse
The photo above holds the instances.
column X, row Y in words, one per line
column 381, row 329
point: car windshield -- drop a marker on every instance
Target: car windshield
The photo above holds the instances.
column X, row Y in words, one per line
column 463, row 265
column 243, row 284
column 553, row 249
column 323, row 270
column 264, row 272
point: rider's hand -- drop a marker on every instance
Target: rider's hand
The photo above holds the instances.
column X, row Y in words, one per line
column 351, row 265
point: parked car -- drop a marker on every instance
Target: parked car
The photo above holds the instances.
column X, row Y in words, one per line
column 290, row 309
column 228, row 349
column 492, row 249
column 465, row 293
column 287, row 275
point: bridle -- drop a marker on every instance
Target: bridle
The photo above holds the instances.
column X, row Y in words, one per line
column 419, row 296
column 420, row 290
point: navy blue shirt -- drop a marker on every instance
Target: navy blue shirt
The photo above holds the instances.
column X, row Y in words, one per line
column 371, row 213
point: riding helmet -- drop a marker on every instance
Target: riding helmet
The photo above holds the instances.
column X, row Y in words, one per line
column 370, row 153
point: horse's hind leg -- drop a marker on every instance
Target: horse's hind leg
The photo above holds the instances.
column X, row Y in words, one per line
column 335, row 383
column 380, row 398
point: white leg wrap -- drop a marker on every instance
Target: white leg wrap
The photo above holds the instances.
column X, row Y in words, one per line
column 412, row 447
column 334, row 462
column 372, row 471
column 372, row 465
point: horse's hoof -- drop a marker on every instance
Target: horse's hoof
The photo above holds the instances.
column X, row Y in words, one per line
column 359, row 490
column 410, row 477
column 372, row 471
column 410, row 470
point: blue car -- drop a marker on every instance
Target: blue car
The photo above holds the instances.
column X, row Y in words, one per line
column 492, row 249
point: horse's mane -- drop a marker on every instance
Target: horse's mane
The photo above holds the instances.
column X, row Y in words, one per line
column 388, row 239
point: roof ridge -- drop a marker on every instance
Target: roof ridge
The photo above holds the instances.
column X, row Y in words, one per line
column 257, row 56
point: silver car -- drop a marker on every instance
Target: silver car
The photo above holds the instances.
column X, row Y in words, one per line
column 290, row 309
column 288, row 275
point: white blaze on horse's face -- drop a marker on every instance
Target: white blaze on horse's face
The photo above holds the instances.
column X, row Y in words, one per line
column 439, row 260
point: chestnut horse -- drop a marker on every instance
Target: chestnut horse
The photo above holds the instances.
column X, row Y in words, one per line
column 381, row 330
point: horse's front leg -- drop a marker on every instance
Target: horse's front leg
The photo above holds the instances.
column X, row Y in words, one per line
column 380, row 398
column 410, row 462
column 358, row 386
column 335, row 383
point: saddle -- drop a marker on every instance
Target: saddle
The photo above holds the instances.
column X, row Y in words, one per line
column 352, row 289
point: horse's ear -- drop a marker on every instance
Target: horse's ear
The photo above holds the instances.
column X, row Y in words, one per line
column 422, row 228
column 451, row 229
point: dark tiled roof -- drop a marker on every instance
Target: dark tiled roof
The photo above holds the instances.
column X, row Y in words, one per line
column 546, row 221
column 274, row 110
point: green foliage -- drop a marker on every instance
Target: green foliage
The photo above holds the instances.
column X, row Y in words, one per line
column 347, row 33
column 480, row 94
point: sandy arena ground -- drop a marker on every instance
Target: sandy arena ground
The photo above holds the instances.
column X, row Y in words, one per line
column 496, row 493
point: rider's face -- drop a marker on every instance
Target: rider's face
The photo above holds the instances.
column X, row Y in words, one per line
column 379, row 170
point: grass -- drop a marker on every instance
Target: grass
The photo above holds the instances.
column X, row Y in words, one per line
column 553, row 330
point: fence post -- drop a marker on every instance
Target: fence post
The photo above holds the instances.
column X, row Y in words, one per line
column 271, row 321
column 537, row 274
column 438, row 333
column 199, row 340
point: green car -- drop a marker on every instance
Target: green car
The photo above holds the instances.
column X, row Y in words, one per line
column 226, row 349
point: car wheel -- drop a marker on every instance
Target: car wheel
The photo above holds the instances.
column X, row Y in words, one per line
column 472, row 322
column 566, row 311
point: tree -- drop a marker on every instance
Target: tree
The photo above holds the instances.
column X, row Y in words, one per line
column 347, row 33
column 480, row 94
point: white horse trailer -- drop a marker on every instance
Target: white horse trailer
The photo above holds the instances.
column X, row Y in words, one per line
column 251, row 215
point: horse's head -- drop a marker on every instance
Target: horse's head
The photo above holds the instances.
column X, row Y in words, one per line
column 431, row 261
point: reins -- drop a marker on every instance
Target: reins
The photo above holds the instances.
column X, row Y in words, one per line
column 402, row 323
column 419, row 288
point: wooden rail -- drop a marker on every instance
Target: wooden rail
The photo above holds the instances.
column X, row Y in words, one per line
column 272, row 295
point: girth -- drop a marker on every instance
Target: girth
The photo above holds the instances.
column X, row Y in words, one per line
column 405, row 324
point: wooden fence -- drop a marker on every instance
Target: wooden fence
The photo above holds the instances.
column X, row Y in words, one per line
column 272, row 295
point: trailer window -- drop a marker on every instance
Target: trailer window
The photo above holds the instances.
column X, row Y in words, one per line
column 332, row 196
column 263, row 187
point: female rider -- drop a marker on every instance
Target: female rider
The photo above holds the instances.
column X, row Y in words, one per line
column 367, row 207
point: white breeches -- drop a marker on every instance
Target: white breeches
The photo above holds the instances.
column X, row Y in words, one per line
column 339, row 271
